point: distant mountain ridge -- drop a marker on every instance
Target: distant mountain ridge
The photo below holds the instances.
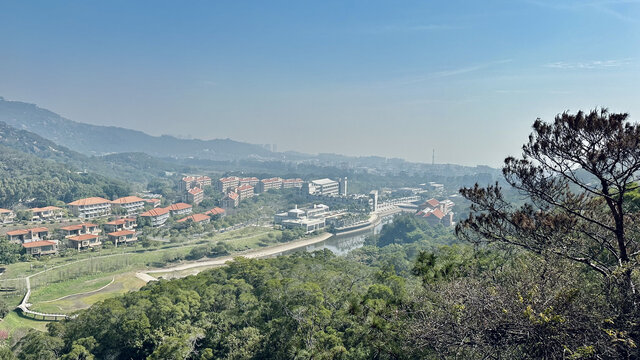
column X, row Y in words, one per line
column 100, row 140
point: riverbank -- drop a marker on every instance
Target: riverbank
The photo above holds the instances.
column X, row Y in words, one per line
column 374, row 220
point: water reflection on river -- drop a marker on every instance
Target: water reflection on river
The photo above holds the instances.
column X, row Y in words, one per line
column 342, row 244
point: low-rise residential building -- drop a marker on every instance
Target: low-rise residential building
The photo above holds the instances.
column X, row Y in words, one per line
column 245, row 192
column 120, row 224
column 179, row 209
column 89, row 208
column 131, row 204
column 216, row 212
column 292, row 183
column 230, row 201
column 42, row 247
column 80, row 229
column 84, row 241
column 195, row 196
column 28, row 235
column 227, row 183
column 269, row 184
column 157, row 216
column 253, row 181
column 196, row 218
column 122, row 236
column 46, row 213
column 7, row 216
column 153, row 202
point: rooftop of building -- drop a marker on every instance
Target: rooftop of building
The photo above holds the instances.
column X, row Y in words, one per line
column 38, row 244
column 83, row 237
column 77, row 226
column 26, row 231
column 122, row 233
column 324, row 181
column 215, row 211
column 127, row 200
column 90, row 201
column 46, row 208
column 178, row 206
column 155, row 212
column 195, row 218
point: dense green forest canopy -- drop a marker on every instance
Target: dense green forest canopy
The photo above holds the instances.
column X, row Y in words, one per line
column 33, row 181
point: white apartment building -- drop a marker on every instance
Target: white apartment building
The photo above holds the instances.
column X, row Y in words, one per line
column 92, row 207
column 131, row 204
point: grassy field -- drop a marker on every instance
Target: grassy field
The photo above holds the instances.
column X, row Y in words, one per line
column 64, row 285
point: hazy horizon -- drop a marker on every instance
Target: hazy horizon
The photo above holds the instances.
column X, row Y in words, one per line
column 353, row 78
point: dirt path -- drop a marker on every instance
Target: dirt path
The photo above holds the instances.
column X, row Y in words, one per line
column 145, row 277
column 251, row 254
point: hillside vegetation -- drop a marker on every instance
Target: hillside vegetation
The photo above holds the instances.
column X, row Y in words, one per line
column 27, row 179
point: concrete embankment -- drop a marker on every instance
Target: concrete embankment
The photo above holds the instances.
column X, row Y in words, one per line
column 374, row 220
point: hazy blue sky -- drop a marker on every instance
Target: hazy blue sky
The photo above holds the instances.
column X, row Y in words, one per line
column 390, row 78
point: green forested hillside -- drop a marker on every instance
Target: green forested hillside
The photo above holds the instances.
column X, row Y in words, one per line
column 131, row 167
column 27, row 179
column 414, row 299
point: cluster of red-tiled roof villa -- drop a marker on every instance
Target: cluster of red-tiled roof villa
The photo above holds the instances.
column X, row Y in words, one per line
column 127, row 210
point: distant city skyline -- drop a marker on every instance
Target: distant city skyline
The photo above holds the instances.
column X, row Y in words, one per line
column 349, row 77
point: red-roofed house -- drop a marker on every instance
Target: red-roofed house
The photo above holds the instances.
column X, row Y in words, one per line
column 122, row 236
column 28, row 235
column 80, row 229
column 179, row 209
column 120, row 224
column 131, row 204
column 84, row 241
column 269, row 184
column 43, row 247
column 7, row 216
column 230, row 201
column 436, row 216
column 216, row 212
column 429, row 204
column 194, row 196
column 157, row 216
column 196, row 218
column 46, row 213
column 90, row 207
column 245, row 192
